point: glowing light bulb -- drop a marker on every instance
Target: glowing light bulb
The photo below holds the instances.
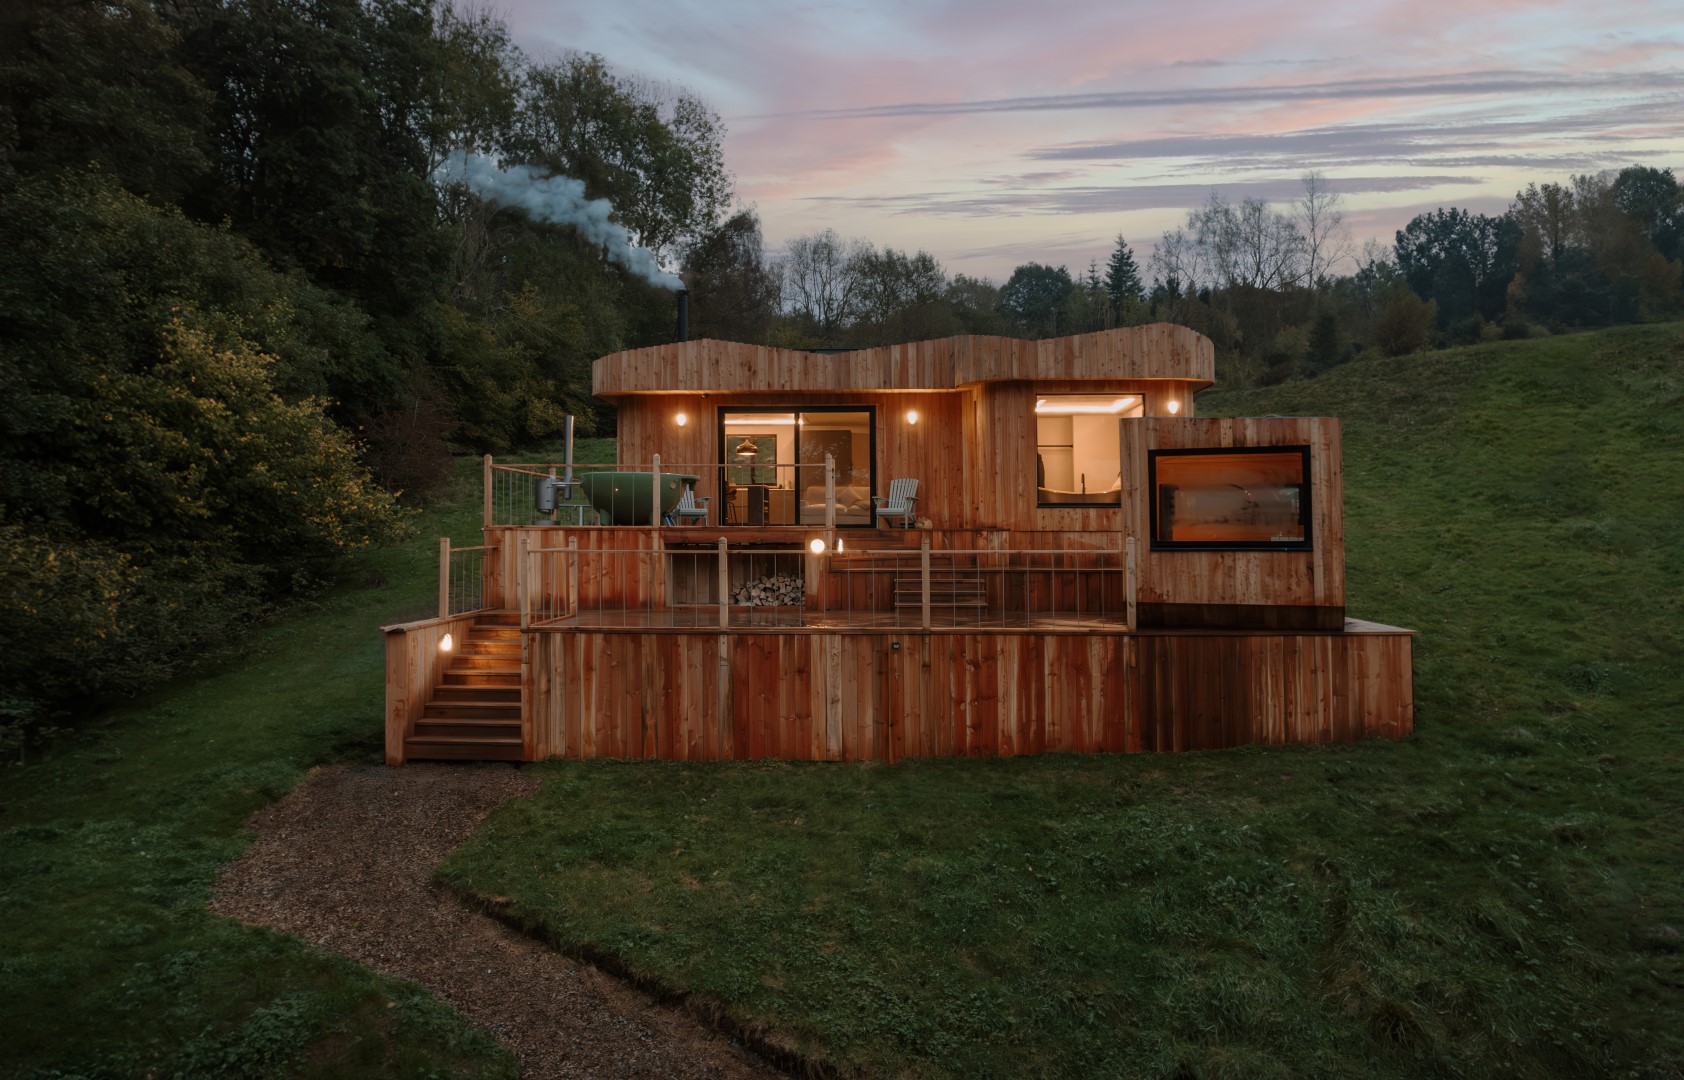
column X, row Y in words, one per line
column 912, row 416
column 1173, row 407
column 681, row 419
column 446, row 643
column 816, row 545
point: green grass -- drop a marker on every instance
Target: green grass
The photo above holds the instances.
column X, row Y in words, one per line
column 1501, row 894
column 109, row 963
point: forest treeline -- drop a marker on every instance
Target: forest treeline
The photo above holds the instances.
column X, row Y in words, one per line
column 245, row 313
column 1282, row 290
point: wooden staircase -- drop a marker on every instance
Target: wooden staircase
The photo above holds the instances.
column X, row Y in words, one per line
column 950, row 589
column 475, row 714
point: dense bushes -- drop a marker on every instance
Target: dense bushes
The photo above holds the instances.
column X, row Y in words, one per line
column 158, row 487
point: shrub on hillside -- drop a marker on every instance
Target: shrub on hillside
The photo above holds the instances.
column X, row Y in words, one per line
column 1403, row 325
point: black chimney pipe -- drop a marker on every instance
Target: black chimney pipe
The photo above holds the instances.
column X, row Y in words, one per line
column 684, row 315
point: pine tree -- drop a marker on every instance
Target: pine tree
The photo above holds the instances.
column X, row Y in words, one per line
column 1122, row 276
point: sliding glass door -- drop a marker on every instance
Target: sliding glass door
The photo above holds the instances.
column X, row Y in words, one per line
column 773, row 469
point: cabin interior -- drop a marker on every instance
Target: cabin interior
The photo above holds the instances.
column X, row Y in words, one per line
column 1084, row 564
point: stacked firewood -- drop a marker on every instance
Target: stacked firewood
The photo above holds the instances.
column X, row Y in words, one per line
column 773, row 589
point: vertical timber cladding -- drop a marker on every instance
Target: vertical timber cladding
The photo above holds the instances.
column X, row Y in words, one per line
column 1242, row 579
column 704, row 695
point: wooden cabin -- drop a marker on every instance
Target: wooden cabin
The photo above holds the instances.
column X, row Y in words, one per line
column 1086, row 566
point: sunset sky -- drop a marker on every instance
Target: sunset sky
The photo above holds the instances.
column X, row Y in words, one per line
column 992, row 133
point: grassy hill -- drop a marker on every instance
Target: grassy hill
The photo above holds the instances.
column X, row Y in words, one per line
column 1498, row 895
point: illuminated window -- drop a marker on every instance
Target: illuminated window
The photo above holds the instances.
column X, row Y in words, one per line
column 774, row 464
column 1256, row 499
column 1078, row 448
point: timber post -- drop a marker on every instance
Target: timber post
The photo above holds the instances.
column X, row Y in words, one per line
column 655, row 493
column 444, row 577
column 522, row 571
column 573, row 576
column 724, row 585
column 1131, row 580
column 924, row 578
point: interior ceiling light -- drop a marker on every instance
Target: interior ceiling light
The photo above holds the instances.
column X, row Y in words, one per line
column 1057, row 407
column 747, row 449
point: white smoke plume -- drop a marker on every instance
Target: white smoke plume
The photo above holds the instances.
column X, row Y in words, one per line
column 559, row 200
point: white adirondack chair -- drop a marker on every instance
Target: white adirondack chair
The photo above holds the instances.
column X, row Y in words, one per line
column 690, row 510
column 901, row 502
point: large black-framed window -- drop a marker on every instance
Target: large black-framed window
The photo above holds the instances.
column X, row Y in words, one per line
column 1254, row 498
column 773, row 459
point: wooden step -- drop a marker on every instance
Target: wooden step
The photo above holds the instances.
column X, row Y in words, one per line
column 489, row 648
column 462, row 748
column 493, row 633
column 485, row 663
column 466, row 729
column 449, row 692
column 498, row 618
column 471, row 710
column 483, row 677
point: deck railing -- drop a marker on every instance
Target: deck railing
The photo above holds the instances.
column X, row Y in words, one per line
column 816, row 495
column 824, row 586
column 463, row 578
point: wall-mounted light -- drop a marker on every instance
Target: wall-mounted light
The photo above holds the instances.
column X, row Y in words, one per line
column 446, row 643
column 1173, row 406
column 912, row 416
column 681, row 419
column 816, row 545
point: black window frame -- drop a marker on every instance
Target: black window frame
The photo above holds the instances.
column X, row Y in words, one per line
column 1306, row 500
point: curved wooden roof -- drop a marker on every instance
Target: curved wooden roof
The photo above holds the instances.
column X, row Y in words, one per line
column 1158, row 351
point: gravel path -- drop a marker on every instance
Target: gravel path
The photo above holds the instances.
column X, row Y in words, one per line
column 345, row 862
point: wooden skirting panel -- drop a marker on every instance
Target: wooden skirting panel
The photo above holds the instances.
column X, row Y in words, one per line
column 849, row 696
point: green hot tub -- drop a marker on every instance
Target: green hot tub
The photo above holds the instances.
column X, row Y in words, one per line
column 623, row 498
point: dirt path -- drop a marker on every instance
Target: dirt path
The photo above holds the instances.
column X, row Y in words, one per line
column 345, row 861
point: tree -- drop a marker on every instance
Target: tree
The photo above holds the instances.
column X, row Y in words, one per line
column 1547, row 219
column 1122, row 276
column 320, row 159
column 819, row 282
column 899, row 296
column 1462, row 261
column 734, row 295
column 1653, row 199
column 975, row 305
column 1324, row 347
column 1326, row 241
column 100, row 85
column 1032, row 296
column 657, row 158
